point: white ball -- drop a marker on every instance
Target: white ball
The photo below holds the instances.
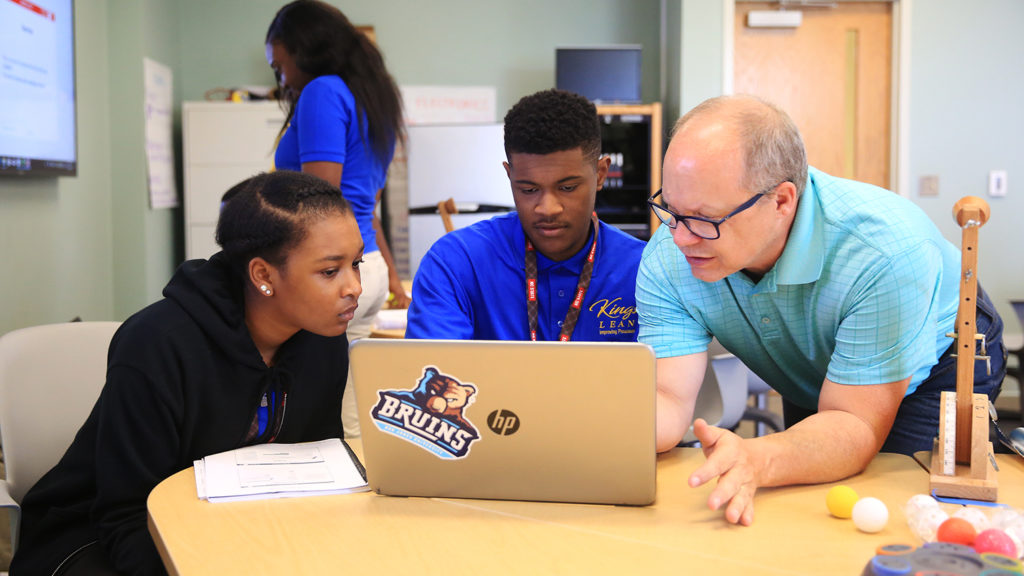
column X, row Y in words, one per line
column 976, row 517
column 1016, row 533
column 927, row 523
column 870, row 515
column 918, row 503
column 1017, row 543
column 1004, row 518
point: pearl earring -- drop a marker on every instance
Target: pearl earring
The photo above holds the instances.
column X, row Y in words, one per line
column 266, row 290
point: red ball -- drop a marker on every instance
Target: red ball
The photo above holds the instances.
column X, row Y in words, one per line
column 957, row 531
column 995, row 540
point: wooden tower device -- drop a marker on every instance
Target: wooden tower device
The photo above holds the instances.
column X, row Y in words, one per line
column 962, row 464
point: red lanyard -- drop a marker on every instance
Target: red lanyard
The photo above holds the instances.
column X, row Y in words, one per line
column 581, row 288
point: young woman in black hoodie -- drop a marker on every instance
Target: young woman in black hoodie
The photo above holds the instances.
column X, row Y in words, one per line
column 245, row 348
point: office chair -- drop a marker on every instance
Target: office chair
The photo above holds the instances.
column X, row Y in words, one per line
column 1017, row 372
column 757, row 390
column 724, row 395
column 50, row 377
column 722, row 399
column 446, row 208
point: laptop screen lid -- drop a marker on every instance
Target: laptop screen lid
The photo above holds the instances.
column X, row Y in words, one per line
column 548, row 421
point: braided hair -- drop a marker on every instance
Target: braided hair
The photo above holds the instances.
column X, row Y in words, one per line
column 553, row 121
column 268, row 215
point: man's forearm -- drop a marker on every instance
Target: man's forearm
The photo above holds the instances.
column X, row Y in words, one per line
column 673, row 420
column 824, row 447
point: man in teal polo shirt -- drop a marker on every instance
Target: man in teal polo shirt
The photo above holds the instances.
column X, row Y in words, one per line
column 838, row 294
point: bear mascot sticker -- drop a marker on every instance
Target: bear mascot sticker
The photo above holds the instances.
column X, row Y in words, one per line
column 432, row 415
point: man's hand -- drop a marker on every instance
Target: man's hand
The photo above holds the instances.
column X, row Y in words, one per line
column 729, row 461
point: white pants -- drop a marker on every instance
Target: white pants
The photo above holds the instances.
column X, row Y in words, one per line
column 374, row 273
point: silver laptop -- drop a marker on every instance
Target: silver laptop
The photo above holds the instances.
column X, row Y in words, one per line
column 549, row 421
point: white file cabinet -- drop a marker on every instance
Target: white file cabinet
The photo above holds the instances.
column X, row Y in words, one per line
column 224, row 143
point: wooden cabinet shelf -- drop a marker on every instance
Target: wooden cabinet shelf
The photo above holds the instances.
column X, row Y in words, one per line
column 632, row 135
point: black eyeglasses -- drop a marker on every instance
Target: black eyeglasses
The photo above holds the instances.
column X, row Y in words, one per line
column 706, row 228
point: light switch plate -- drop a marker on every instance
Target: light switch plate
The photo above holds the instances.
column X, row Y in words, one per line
column 997, row 183
column 929, row 186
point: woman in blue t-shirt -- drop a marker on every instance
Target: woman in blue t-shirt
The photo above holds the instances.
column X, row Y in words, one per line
column 344, row 117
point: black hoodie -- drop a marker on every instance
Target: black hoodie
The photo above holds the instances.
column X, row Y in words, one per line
column 184, row 380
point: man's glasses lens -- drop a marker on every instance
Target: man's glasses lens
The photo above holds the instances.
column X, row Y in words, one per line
column 701, row 228
column 705, row 230
column 664, row 215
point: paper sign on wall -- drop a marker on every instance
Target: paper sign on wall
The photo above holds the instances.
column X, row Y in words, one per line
column 449, row 104
column 159, row 109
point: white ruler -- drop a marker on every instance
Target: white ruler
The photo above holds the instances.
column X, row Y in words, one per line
column 949, row 434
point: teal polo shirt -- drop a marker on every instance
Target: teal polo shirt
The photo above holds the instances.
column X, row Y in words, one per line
column 865, row 292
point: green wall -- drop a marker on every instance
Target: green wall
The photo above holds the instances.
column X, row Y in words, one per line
column 145, row 240
column 90, row 246
column 56, row 244
column 966, row 118
column 509, row 45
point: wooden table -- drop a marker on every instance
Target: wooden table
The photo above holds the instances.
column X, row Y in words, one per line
column 363, row 533
column 387, row 333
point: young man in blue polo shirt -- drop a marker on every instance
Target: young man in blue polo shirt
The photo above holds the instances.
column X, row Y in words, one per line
column 837, row 293
column 549, row 271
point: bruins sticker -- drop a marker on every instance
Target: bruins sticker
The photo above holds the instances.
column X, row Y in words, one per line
column 432, row 415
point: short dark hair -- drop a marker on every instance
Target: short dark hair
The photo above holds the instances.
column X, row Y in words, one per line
column 553, row 121
column 268, row 215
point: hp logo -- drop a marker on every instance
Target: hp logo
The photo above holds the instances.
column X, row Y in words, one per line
column 503, row 422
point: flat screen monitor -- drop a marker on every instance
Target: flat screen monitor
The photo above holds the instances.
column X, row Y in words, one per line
column 602, row 74
column 37, row 88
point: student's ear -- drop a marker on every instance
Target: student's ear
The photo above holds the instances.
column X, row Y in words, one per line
column 508, row 171
column 603, row 164
column 261, row 275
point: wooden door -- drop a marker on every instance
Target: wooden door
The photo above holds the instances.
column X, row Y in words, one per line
column 833, row 75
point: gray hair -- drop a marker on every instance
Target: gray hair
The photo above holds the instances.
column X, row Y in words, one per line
column 772, row 147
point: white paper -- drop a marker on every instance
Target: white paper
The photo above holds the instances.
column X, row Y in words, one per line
column 278, row 471
column 159, row 108
column 200, row 468
column 449, row 104
column 391, row 319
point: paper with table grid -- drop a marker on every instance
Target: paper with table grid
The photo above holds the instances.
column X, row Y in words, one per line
column 280, row 471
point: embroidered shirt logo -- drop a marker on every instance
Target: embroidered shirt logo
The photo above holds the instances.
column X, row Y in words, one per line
column 614, row 317
column 431, row 415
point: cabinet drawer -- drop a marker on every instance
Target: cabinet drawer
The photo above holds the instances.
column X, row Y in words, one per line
column 225, row 132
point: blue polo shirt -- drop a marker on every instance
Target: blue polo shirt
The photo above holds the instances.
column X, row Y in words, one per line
column 325, row 128
column 865, row 292
column 471, row 285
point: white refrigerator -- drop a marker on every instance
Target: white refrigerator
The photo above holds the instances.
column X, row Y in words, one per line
column 462, row 162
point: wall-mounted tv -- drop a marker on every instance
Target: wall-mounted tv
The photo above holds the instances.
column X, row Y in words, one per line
column 37, row 88
column 602, row 74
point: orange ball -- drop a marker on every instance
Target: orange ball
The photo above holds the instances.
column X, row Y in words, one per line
column 957, row 531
